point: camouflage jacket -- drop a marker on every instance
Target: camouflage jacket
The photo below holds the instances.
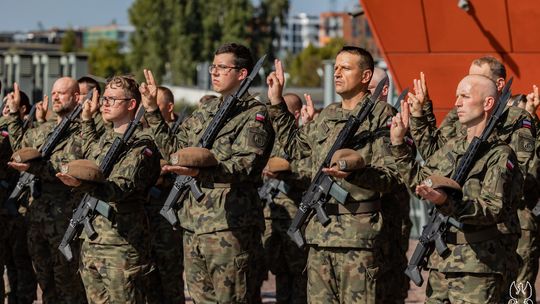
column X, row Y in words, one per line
column 242, row 148
column 490, row 193
column 56, row 200
column 125, row 189
column 379, row 175
column 7, row 175
column 517, row 130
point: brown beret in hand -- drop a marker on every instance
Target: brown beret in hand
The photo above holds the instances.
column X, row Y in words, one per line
column 25, row 155
column 278, row 164
column 194, row 157
column 85, row 170
column 347, row 160
column 444, row 183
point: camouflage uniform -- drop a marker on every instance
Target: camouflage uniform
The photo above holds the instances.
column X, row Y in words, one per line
column 346, row 257
column 282, row 256
column 49, row 213
column 473, row 270
column 114, row 262
column 222, row 231
column 518, row 131
column 166, row 283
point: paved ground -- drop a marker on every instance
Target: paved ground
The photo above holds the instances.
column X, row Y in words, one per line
column 416, row 294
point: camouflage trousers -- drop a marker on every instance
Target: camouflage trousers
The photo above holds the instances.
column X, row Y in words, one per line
column 165, row 282
column 528, row 253
column 220, row 267
column 57, row 278
column 513, row 264
column 463, row 288
column 286, row 261
column 342, row 275
column 113, row 273
column 20, row 274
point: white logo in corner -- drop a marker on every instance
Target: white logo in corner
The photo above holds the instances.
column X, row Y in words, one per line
column 520, row 290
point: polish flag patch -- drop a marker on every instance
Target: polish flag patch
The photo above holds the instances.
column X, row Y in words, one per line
column 260, row 117
column 509, row 165
column 147, row 152
column 526, row 123
column 4, row 133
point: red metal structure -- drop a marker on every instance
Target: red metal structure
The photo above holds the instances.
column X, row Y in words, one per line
column 441, row 39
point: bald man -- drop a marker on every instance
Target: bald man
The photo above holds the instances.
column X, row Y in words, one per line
column 50, row 210
column 378, row 75
column 516, row 128
column 473, row 270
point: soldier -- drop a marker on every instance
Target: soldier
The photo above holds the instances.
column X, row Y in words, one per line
column 167, row 254
column 473, row 271
column 399, row 224
column 282, row 256
column 516, row 128
column 14, row 250
column 345, row 256
column 221, row 231
column 114, row 261
column 51, row 204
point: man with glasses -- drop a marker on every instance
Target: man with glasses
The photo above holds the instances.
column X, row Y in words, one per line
column 222, row 232
column 114, row 262
column 49, row 211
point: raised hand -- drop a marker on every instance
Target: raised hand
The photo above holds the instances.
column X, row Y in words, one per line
column 307, row 113
column 90, row 107
column 41, row 109
column 400, row 125
column 148, row 91
column 533, row 101
column 420, row 96
column 276, row 82
column 14, row 99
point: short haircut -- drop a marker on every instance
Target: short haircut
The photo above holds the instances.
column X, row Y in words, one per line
column 25, row 101
column 91, row 83
column 168, row 96
column 128, row 84
column 242, row 55
column 366, row 60
column 496, row 68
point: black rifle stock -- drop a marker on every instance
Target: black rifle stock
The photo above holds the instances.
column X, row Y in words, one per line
column 434, row 232
column 29, row 120
column 183, row 183
column 323, row 186
column 90, row 206
column 26, row 180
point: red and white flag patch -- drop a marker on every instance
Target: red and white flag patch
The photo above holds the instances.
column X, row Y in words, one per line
column 260, row 117
column 510, row 165
column 4, row 133
column 526, row 123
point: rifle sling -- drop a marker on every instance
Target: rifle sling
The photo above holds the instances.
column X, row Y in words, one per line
column 472, row 237
column 353, row 208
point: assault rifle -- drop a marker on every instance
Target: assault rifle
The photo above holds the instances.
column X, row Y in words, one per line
column 323, row 187
column 434, row 232
column 182, row 182
column 87, row 208
column 29, row 181
column 270, row 189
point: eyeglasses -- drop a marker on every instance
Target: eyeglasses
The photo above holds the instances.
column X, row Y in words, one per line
column 220, row 68
column 110, row 101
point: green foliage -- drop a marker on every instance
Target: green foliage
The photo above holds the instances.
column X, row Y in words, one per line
column 69, row 42
column 106, row 60
column 302, row 67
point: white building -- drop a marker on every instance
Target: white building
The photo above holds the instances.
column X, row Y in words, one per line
column 298, row 32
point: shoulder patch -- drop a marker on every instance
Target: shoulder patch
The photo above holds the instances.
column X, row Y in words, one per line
column 257, row 138
column 4, row 133
column 510, row 165
column 147, row 152
column 260, row 116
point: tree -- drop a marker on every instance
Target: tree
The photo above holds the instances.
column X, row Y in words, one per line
column 69, row 42
column 106, row 60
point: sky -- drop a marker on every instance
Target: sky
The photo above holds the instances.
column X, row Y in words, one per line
column 22, row 15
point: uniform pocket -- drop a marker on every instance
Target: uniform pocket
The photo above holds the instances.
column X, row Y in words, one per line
column 241, row 263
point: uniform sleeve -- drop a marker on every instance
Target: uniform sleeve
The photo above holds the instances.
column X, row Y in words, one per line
column 136, row 171
column 166, row 142
column 293, row 139
column 427, row 137
column 244, row 159
column 15, row 130
column 499, row 187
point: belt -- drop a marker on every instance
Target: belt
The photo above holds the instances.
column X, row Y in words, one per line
column 210, row 185
column 353, row 208
column 472, row 237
